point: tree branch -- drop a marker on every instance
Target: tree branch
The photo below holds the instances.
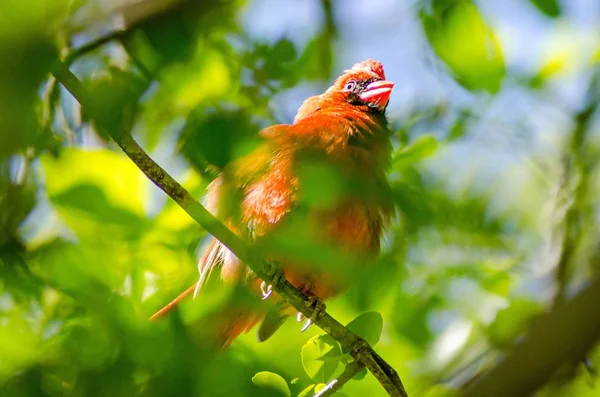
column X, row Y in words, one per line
column 351, row 370
column 74, row 54
column 576, row 168
column 116, row 35
column 270, row 273
column 564, row 335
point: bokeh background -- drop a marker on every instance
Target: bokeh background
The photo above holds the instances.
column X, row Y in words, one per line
column 495, row 180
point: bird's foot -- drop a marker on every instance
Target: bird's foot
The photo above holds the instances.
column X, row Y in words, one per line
column 306, row 325
column 266, row 290
column 276, row 272
column 318, row 307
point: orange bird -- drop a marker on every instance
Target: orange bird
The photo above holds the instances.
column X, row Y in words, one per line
column 346, row 126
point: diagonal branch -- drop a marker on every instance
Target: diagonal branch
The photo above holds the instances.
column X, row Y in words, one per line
column 351, row 370
column 117, row 35
column 563, row 335
column 360, row 350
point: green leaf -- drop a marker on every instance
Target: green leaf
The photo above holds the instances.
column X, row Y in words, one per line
column 462, row 39
column 321, row 184
column 360, row 375
column 321, row 357
column 307, row 391
column 96, row 189
column 284, row 50
column 441, row 391
column 550, row 8
column 271, row 384
column 512, row 322
column 368, row 326
column 20, row 346
column 319, row 387
column 423, row 147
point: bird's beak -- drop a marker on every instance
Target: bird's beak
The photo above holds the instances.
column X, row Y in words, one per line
column 378, row 93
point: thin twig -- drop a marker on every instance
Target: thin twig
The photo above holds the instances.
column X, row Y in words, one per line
column 116, row 35
column 270, row 273
column 78, row 52
column 351, row 370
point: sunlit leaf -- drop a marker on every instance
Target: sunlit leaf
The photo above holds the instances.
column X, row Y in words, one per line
column 462, row 39
column 271, row 384
column 550, row 8
column 91, row 188
column 512, row 321
column 120, row 180
column 321, row 357
column 307, row 391
column 19, row 345
column 441, row 391
column 368, row 326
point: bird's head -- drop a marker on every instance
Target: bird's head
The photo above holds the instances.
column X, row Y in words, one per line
column 364, row 85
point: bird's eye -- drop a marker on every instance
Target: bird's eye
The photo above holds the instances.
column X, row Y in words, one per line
column 350, row 86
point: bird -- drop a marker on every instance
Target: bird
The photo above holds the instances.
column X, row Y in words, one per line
column 256, row 194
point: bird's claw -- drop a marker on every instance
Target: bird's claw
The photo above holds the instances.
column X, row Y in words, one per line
column 266, row 290
column 306, row 325
column 318, row 309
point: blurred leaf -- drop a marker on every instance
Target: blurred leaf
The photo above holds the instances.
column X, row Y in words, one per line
column 321, row 357
column 512, row 322
column 441, row 391
column 115, row 95
column 423, row 147
column 368, row 326
column 277, row 65
column 271, row 384
column 82, row 270
column 19, row 346
column 361, row 374
column 187, row 89
column 316, row 61
column 96, row 187
column 321, row 184
column 17, row 196
column 461, row 38
column 307, row 392
column 90, row 343
column 284, row 50
column 217, row 139
column 27, row 49
column 550, row 8
column 172, row 27
column 319, row 387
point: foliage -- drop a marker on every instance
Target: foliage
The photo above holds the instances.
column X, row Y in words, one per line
column 494, row 178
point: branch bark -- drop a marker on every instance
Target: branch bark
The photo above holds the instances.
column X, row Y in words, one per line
column 360, row 350
column 351, row 370
column 562, row 336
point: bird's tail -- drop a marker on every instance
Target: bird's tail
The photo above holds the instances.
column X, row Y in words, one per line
column 225, row 325
column 212, row 257
column 171, row 305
